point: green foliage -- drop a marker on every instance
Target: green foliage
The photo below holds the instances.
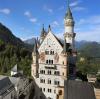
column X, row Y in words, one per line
column 13, row 51
column 91, row 54
column 11, row 55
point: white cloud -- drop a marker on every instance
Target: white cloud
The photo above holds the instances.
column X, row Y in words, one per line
column 5, row 11
column 78, row 8
column 89, row 28
column 75, row 3
column 47, row 9
column 54, row 24
column 28, row 14
column 30, row 17
column 33, row 20
column 92, row 20
column 81, row 21
column 90, row 35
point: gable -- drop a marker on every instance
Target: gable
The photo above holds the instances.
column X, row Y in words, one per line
column 51, row 42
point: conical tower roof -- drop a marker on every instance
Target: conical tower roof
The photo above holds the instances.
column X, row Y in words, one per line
column 49, row 28
column 43, row 32
column 68, row 14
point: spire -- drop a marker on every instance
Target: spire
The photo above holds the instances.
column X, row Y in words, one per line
column 43, row 31
column 49, row 29
column 69, row 13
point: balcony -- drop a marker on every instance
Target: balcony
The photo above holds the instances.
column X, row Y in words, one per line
column 51, row 67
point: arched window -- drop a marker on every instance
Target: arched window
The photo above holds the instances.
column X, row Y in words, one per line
column 44, row 72
column 42, row 80
column 41, row 89
column 44, row 89
column 49, row 90
column 57, row 73
column 60, row 92
column 63, row 73
column 49, row 72
column 63, row 62
column 50, row 52
column 49, row 61
column 49, row 81
column 56, row 82
column 47, row 52
column 54, row 91
column 46, row 61
column 53, row 52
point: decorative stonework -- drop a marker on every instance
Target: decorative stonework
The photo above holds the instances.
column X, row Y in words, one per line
column 69, row 23
column 72, row 35
column 42, row 56
column 56, row 58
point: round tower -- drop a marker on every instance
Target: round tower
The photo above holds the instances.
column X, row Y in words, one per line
column 34, row 69
column 69, row 34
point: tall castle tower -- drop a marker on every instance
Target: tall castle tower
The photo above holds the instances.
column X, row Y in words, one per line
column 69, row 37
column 69, row 34
column 54, row 61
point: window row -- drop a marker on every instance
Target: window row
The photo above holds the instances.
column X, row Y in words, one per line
column 42, row 71
column 56, row 82
column 49, row 61
column 51, row 91
column 48, row 90
column 49, row 52
column 49, row 72
column 42, row 80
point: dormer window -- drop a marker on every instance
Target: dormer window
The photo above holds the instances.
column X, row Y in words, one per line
column 47, row 52
column 51, row 52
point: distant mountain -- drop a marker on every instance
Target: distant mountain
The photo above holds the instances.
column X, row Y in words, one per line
column 30, row 41
column 13, row 51
column 7, row 37
column 78, row 44
column 90, row 49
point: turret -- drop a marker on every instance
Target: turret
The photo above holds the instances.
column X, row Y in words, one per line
column 49, row 28
column 35, row 64
column 69, row 34
column 69, row 37
column 43, row 34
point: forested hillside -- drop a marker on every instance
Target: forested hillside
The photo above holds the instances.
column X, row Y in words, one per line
column 13, row 51
column 89, row 58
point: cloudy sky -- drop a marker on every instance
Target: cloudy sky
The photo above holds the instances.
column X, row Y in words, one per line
column 25, row 17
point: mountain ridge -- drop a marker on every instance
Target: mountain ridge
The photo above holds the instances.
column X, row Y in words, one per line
column 8, row 37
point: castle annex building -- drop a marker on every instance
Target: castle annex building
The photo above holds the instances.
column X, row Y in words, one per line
column 55, row 61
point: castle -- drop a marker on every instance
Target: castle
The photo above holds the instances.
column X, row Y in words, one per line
column 55, row 61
